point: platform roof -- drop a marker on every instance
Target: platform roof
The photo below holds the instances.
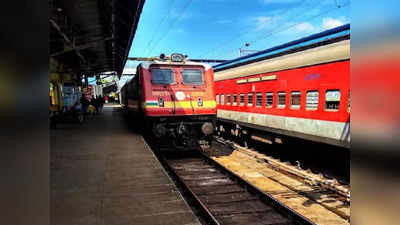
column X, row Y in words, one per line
column 93, row 36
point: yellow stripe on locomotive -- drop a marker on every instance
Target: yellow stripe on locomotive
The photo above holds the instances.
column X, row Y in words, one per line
column 180, row 104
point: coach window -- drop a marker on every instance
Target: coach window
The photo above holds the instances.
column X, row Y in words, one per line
column 162, row 76
column 332, row 100
column 249, row 99
column 234, row 99
column 192, row 77
column 281, row 100
column 312, row 100
column 217, row 99
column 258, row 99
column 269, row 99
column 222, row 99
column 228, row 99
column 295, row 99
column 241, row 99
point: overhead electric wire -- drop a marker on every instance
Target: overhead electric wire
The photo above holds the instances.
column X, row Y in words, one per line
column 238, row 36
column 172, row 24
column 158, row 26
column 292, row 25
column 289, row 21
column 337, row 4
column 276, row 31
column 297, row 15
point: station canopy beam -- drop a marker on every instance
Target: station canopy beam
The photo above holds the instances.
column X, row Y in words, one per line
column 92, row 37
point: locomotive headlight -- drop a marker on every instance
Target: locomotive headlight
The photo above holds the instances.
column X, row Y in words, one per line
column 160, row 102
column 200, row 102
column 180, row 95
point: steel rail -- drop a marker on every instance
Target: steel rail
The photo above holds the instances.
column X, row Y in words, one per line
column 277, row 206
column 300, row 219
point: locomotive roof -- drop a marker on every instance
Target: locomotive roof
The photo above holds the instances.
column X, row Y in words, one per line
column 147, row 64
column 323, row 38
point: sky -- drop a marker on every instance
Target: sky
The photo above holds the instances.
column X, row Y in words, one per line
column 216, row 29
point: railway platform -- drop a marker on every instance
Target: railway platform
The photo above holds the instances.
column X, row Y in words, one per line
column 102, row 172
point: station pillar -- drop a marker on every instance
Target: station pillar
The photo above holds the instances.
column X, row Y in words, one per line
column 86, row 80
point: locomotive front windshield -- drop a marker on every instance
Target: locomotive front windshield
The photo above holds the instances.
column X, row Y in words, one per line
column 192, row 76
column 162, row 76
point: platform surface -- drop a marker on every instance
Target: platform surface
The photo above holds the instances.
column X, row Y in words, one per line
column 104, row 173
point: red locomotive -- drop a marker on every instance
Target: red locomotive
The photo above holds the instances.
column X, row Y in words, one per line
column 299, row 89
column 175, row 96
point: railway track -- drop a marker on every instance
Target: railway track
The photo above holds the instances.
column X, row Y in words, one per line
column 338, row 186
column 221, row 194
column 225, row 198
column 320, row 199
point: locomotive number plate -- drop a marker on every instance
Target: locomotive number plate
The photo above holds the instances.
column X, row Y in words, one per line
column 160, row 93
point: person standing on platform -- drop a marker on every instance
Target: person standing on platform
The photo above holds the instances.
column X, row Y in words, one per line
column 85, row 104
column 98, row 104
column 93, row 102
column 101, row 103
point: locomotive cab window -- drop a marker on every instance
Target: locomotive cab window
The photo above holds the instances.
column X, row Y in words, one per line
column 234, row 99
column 222, row 99
column 250, row 99
column 269, row 99
column 332, row 100
column 162, row 76
column 295, row 99
column 228, row 99
column 192, row 77
column 241, row 99
column 217, row 99
column 281, row 100
column 258, row 99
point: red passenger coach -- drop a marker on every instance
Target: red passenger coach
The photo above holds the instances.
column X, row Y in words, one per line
column 174, row 95
column 299, row 89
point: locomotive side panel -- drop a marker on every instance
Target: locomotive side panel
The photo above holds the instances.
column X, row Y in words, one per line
column 132, row 95
column 123, row 100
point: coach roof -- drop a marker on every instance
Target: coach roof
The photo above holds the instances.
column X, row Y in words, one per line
column 338, row 33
